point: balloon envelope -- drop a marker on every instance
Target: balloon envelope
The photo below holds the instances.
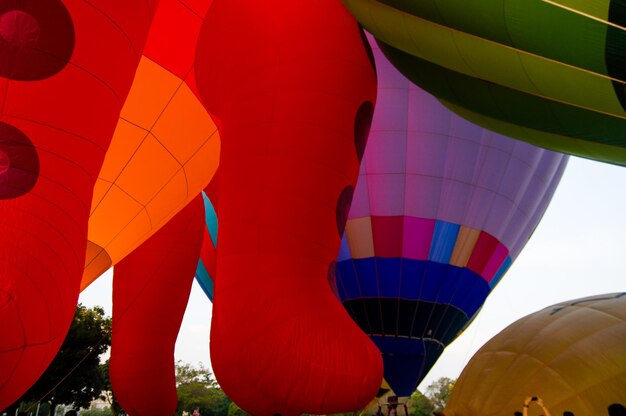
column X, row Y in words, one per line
column 294, row 90
column 151, row 288
column 547, row 72
column 441, row 209
column 66, row 68
column 570, row 354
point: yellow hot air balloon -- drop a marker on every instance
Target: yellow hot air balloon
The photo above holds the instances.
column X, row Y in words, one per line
column 571, row 355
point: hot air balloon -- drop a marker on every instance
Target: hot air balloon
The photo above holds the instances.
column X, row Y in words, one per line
column 547, row 72
column 441, row 209
column 165, row 148
column 151, row 287
column 65, row 70
column 293, row 92
column 571, row 355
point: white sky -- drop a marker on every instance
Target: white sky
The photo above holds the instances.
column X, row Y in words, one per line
column 578, row 250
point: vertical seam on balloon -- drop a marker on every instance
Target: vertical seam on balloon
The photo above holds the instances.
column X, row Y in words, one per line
column 186, row 6
column 85, row 208
column 403, row 216
column 528, row 216
column 140, row 144
column 371, row 225
column 100, row 81
column 57, row 128
column 116, row 25
column 18, row 360
column 69, row 217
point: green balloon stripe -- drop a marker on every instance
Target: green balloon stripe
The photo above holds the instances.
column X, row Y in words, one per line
column 539, row 27
column 501, row 61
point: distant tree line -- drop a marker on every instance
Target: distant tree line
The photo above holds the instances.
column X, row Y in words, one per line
column 197, row 389
column 76, row 377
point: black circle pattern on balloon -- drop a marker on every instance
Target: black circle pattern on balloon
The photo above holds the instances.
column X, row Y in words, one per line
column 19, row 162
column 36, row 39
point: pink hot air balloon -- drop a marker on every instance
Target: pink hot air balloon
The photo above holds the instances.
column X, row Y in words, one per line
column 441, row 209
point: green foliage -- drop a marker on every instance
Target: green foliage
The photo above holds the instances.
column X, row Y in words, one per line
column 234, row 410
column 97, row 412
column 197, row 389
column 420, row 405
column 74, row 376
column 44, row 408
column 115, row 409
column 439, row 391
column 186, row 373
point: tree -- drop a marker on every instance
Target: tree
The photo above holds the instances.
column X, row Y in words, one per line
column 108, row 395
column 439, row 391
column 234, row 410
column 186, row 373
column 74, row 376
column 420, row 405
column 97, row 412
column 197, row 389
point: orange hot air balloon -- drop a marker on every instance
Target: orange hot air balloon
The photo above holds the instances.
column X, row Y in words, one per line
column 65, row 70
column 165, row 148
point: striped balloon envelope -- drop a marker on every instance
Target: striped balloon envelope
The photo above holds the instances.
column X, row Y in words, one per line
column 441, row 209
column 548, row 72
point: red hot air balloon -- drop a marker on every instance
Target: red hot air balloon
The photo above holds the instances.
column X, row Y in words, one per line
column 65, row 70
column 293, row 89
column 151, row 287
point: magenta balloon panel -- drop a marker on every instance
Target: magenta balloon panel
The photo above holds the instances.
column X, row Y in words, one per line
column 441, row 209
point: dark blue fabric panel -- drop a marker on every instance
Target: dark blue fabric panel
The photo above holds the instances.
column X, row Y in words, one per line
column 471, row 292
column 389, row 273
column 412, row 279
column 347, row 283
column 367, row 276
column 406, row 361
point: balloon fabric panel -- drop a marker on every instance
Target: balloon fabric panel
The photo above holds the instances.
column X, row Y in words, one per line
column 439, row 207
column 205, row 272
column 66, row 68
column 292, row 94
column 151, row 288
column 150, row 172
